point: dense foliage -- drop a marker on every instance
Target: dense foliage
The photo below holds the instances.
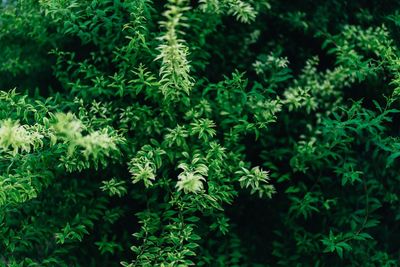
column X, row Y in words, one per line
column 206, row 133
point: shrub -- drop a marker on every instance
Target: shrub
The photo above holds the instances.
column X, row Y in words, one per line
column 207, row 133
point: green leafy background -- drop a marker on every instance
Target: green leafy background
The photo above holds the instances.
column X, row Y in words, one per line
column 205, row 133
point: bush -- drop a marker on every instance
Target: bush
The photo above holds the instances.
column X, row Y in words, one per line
column 207, row 133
